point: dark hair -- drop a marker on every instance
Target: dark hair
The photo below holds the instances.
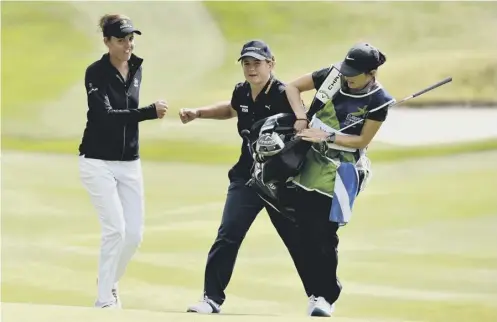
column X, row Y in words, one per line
column 109, row 19
column 381, row 60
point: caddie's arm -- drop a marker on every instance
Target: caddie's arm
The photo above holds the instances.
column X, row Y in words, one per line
column 294, row 89
column 361, row 141
column 218, row 111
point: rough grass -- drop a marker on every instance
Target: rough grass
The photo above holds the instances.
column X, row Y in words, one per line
column 424, row 41
column 43, row 54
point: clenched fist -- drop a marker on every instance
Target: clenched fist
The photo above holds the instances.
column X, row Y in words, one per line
column 161, row 108
column 188, row 114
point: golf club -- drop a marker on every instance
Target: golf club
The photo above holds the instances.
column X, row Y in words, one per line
column 438, row 84
column 246, row 135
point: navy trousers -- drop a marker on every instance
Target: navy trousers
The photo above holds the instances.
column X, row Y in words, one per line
column 241, row 208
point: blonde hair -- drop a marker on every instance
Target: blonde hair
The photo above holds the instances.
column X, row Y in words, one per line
column 109, row 19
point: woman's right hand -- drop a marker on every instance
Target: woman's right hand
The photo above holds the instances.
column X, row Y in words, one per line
column 161, row 108
column 188, row 114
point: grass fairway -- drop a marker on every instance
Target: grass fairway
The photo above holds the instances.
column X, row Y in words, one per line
column 421, row 246
column 198, row 152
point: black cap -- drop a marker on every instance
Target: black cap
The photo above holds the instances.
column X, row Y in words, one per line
column 256, row 49
column 360, row 59
column 120, row 29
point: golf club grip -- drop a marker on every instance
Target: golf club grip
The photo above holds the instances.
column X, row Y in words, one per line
column 440, row 83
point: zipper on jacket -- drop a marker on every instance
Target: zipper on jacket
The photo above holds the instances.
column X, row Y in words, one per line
column 124, row 132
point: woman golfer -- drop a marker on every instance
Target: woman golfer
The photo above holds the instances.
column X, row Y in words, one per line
column 328, row 182
column 261, row 95
column 109, row 161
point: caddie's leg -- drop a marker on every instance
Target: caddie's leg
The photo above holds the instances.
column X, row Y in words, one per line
column 320, row 243
column 98, row 179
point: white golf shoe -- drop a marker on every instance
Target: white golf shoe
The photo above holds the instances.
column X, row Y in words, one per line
column 205, row 306
column 115, row 293
column 321, row 308
column 117, row 304
column 110, row 305
column 311, row 304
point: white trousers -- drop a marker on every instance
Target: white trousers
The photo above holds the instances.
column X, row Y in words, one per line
column 116, row 192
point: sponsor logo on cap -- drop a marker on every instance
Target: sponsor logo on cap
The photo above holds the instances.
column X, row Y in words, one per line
column 125, row 24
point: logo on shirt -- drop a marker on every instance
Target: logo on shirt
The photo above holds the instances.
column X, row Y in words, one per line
column 361, row 111
column 356, row 117
column 244, row 108
column 135, row 82
column 268, row 106
column 92, row 89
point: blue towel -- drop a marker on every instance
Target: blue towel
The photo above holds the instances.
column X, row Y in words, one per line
column 344, row 194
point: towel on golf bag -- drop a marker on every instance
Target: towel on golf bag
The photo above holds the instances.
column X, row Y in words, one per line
column 347, row 183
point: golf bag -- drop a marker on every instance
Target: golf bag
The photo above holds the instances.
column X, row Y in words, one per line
column 278, row 156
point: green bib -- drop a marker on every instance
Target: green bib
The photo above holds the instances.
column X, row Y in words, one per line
column 320, row 167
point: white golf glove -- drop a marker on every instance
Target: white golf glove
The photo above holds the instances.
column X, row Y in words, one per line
column 364, row 168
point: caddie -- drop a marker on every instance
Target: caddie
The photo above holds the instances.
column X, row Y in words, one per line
column 348, row 109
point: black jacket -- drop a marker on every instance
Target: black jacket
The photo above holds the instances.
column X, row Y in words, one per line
column 113, row 115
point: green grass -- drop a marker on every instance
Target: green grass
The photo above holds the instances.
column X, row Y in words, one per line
column 304, row 36
column 424, row 41
column 416, row 241
column 200, row 152
column 43, row 54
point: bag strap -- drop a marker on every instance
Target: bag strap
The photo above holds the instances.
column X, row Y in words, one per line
column 330, row 86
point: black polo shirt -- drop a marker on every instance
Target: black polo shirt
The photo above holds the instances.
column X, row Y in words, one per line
column 270, row 101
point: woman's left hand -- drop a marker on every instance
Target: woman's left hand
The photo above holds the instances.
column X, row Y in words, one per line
column 313, row 135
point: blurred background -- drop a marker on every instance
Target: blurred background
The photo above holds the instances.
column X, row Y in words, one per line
column 422, row 246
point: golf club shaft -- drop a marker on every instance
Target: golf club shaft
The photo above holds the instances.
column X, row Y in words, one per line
column 245, row 134
column 440, row 83
column 432, row 87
